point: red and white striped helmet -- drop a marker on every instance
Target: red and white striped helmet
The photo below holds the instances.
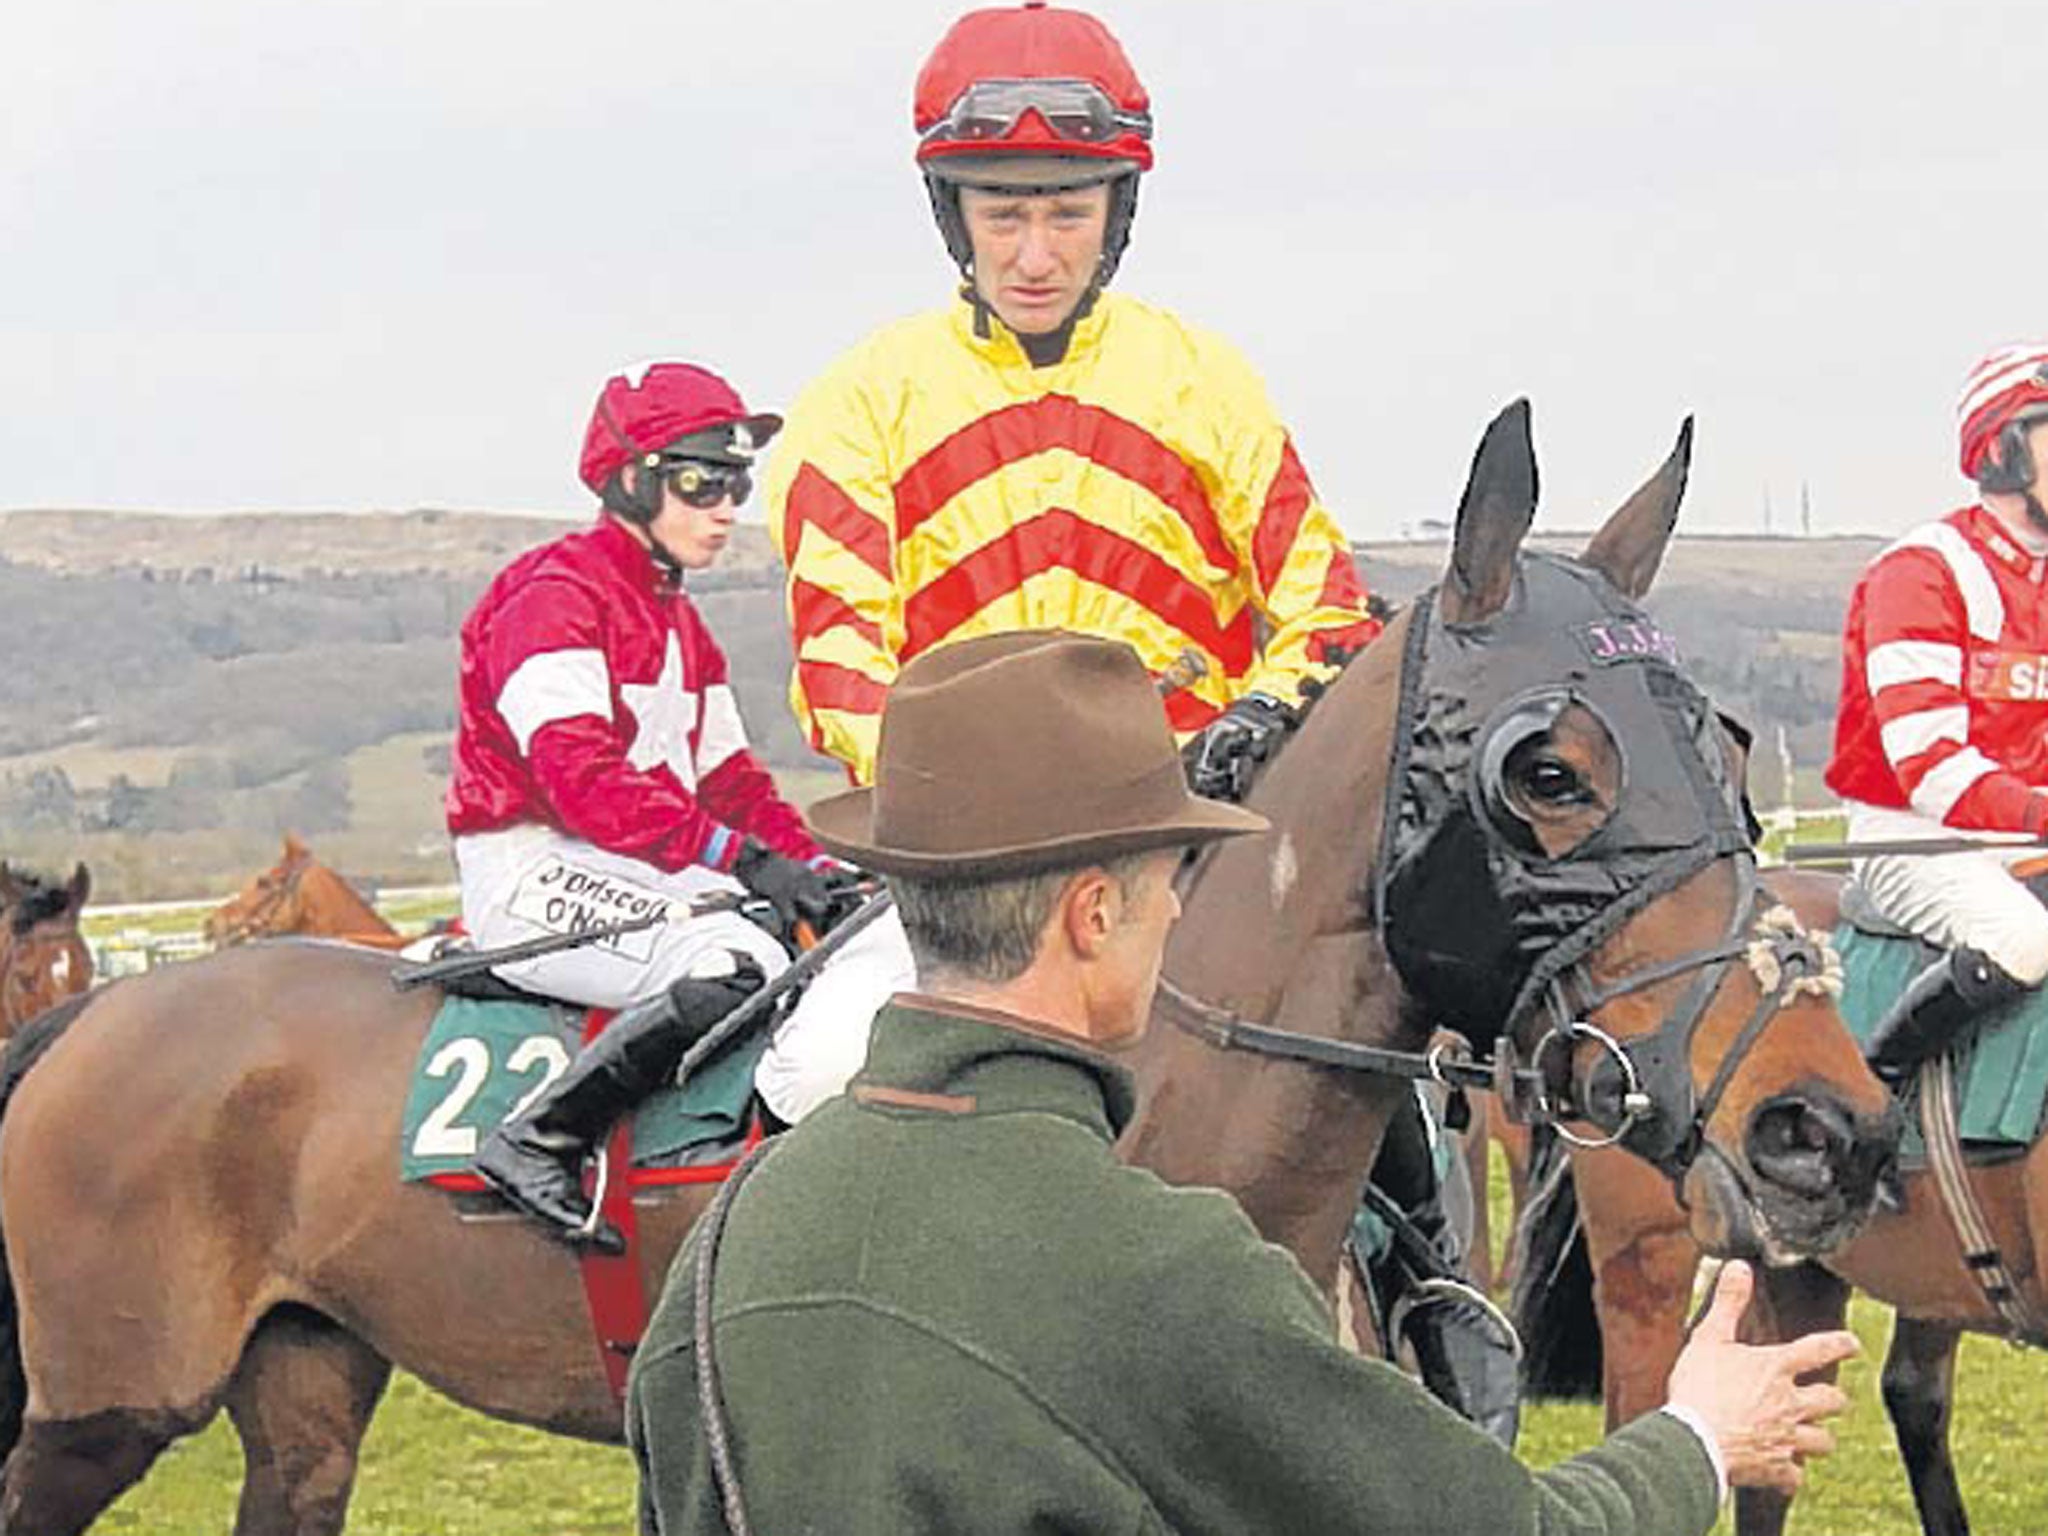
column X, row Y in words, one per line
column 2008, row 389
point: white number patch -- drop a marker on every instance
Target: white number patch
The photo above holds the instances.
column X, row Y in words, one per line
column 468, row 1060
column 545, row 1052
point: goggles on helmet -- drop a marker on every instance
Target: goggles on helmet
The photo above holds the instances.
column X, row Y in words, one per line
column 1076, row 110
column 699, row 484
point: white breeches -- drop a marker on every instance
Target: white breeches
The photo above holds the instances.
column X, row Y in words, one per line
column 529, row 881
column 1954, row 899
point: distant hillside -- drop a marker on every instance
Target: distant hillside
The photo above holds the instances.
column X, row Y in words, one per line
column 185, row 688
column 250, row 546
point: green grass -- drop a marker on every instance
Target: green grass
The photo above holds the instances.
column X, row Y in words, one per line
column 430, row 1466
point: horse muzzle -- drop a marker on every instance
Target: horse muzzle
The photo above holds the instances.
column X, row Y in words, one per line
column 1806, row 1180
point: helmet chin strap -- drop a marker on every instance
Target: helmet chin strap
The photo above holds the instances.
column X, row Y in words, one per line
column 639, row 509
column 1047, row 348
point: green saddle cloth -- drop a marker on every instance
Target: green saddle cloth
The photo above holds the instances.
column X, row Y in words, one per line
column 2001, row 1064
column 481, row 1060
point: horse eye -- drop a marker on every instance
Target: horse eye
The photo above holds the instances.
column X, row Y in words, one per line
column 1547, row 779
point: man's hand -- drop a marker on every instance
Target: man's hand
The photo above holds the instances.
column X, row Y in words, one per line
column 1221, row 760
column 797, row 892
column 1764, row 1417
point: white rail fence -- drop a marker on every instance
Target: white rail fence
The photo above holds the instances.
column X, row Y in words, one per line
column 129, row 938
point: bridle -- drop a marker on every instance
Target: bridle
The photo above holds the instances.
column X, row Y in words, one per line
column 1628, row 1090
column 1639, row 1092
column 271, row 902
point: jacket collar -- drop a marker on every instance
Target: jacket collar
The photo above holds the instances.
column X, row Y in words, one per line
column 1002, row 348
column 936, row 1053
column 627, row 555
column 1991, row 535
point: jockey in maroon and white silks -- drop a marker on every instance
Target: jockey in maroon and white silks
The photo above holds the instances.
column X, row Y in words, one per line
column 594, row 700
column 601, row 770
column 1943, row 726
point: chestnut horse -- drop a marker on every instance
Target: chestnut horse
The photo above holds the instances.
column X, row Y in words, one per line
column 299, row 894
column 1642, row 1256
column 197, row 1167
column 43, row 957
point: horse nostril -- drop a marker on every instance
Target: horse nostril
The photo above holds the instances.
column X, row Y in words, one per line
column 1800, row 1144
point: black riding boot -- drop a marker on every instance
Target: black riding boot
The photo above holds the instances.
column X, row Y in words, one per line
column 535, row 1159
column 1421, row 1292
column 1954, row 992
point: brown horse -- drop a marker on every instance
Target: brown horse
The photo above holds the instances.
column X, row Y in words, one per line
column 299, row 894
column 225, row 1228
column 43, row 957
column 1643, row 1257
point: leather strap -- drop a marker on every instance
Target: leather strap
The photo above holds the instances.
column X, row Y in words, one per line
column 2024, row 1322
column 612, row 1290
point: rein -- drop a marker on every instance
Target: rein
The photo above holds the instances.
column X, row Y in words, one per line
column 1788, row 961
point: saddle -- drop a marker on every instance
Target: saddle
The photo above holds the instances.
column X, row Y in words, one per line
column 2000, row 1066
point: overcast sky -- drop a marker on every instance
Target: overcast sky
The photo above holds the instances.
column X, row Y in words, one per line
column 380, row 253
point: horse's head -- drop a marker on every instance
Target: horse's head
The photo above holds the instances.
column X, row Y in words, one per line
column 43, row 957
column 272, row 903
column 1566, row 864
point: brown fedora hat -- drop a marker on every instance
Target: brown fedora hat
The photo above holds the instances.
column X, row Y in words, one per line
column 1021, row 751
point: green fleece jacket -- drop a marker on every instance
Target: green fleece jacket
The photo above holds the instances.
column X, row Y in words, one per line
column 942, row 1305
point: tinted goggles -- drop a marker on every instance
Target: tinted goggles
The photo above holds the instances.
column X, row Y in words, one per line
column 705, row 485
column 1079, row 110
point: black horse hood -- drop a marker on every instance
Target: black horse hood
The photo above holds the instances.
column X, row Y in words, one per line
column 1478, row 920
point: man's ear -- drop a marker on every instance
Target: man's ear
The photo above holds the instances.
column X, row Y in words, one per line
column 1090, row 911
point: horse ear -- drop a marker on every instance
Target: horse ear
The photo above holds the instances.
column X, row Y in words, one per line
column 81, row 886
column 1628, row 550
column 1493, row 518
column 294, row 850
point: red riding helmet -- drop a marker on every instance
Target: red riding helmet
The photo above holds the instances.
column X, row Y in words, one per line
column 2003, row 393
column 1031, row 82
column 1031, row 98
column 666, row 410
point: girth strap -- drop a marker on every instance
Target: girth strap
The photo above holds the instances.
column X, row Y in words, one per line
column 1987, row 1266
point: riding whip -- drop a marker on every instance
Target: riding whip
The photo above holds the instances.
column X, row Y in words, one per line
column 1841, row 853
column 469, row 962
column 761, row 1003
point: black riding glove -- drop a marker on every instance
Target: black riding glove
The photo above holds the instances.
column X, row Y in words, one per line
column 1222, row 759
column 798, row 893
column 699, row 1002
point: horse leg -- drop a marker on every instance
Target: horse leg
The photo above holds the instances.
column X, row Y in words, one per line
column 1919, row 1392
column 1789, row 1303
column 301, row 1400
column 63, row 1473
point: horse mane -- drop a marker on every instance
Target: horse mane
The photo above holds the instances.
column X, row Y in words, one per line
column 44, row 899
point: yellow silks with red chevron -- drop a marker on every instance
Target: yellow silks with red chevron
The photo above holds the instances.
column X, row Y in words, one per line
column 934, row 485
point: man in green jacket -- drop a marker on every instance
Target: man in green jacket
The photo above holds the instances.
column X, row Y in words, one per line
column 942, row 1305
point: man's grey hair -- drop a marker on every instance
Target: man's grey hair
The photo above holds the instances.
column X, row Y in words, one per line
column 988, row 930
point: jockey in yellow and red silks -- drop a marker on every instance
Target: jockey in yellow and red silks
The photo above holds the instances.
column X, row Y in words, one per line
column 1043, row 453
